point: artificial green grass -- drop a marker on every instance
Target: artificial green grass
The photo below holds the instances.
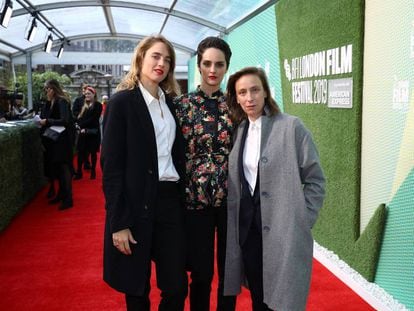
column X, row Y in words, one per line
column 306, row 27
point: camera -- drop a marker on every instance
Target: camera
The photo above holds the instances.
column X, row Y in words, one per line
column 8, row 103
column 6, row 95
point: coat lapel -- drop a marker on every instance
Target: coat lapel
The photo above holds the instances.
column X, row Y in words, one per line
column 234, row 164
column 266, row 129
column 143, row 115
column 241, row 150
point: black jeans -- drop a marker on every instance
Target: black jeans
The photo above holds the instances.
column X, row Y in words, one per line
column 167, row 252
column 201, row 226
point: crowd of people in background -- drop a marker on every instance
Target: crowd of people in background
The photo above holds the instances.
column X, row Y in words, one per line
column 12, row 106
column 67, row 130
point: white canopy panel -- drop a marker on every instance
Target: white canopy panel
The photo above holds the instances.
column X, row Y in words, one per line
column 183, row 22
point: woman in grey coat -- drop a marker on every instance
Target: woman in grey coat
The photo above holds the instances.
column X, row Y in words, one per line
column 276, row 188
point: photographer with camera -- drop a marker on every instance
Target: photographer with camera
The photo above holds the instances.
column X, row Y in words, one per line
column 18, row 111
column 11, row 104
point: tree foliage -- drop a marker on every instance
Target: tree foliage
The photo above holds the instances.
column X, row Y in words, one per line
column 38, row 81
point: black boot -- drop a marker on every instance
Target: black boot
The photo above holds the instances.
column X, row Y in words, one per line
column 77, row 176
column 93, row 174
column 87, row 165
column 66, row 204
column 51, row 193
column 56, row 200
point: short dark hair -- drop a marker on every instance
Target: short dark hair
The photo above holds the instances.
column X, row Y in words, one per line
column 213, row 42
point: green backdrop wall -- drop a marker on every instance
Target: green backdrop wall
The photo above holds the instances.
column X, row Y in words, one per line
column 326, row 27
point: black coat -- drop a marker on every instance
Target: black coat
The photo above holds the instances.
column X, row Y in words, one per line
column 90, row 141
column 130, row 177
column 60, row 151
column 77, row 105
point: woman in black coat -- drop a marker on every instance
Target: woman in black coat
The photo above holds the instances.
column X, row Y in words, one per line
column 59, row 150
column 143, row 163
column 89, row 136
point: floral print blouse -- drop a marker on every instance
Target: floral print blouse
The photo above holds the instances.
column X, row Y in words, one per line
column 207, row 129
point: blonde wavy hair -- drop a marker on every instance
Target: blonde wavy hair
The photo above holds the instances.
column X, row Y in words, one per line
column 132, row 78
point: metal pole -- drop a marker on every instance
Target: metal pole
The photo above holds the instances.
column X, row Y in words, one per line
column 29, row 80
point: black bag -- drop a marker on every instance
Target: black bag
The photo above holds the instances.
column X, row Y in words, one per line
column 51, row 134
column 92, row 131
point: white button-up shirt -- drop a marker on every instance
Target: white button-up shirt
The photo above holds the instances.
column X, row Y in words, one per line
column 251, row 152
column 164, row 127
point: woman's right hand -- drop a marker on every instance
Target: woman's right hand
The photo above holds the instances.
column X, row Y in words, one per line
column 121, row 241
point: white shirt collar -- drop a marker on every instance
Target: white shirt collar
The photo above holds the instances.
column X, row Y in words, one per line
column 148, row 97
column 257, row 123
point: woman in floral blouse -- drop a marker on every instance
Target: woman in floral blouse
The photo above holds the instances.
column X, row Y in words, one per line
column 206, row 126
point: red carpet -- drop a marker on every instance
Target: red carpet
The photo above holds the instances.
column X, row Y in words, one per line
column 52, row 260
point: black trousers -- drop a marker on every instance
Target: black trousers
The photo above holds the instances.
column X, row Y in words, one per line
column 63, row 174
column 168, row 253
column 201, row 226
column 252, row 252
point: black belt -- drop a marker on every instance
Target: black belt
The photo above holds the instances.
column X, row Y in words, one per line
column 167, row 188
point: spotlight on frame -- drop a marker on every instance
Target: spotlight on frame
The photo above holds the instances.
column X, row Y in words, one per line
column 31, row 33
column 60, row 52
column 6, row 13
column 48, row 44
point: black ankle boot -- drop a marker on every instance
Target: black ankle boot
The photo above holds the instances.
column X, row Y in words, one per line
column 65, row 205
column 77, row 176
column 93, row 174
column 51, row 193
column 56, row 200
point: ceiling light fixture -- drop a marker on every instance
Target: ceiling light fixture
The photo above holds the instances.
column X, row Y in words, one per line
column 48, row 44
column 32, row 30
column 60, row 52
column 6, row 13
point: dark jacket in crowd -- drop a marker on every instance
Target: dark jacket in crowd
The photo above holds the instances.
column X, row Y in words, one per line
column 77, row 105
column 60, row 151
column 91, row 139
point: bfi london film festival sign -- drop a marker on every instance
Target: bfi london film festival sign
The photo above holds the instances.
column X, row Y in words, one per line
column 311, row 77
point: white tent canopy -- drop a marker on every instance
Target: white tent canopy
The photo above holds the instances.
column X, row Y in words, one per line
column 183, row 22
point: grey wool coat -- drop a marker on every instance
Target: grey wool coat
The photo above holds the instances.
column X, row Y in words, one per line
column 291, row 193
